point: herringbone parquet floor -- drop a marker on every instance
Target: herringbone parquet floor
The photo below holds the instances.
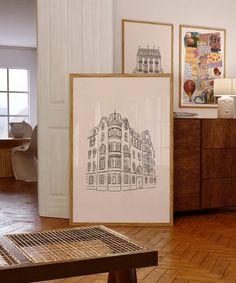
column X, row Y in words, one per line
column 199, row 248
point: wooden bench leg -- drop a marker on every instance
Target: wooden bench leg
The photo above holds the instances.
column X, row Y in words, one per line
column 122, row 276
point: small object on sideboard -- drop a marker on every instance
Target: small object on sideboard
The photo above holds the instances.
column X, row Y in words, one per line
column 185, row 115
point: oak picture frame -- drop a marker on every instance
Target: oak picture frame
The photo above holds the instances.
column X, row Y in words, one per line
column 121, row 142
column 148, row 42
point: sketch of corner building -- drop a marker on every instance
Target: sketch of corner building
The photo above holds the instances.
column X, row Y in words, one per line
column 148, row 60
column 119, row 159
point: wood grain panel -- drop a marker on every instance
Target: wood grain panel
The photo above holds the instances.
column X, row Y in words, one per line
column 218, row 192
column 218, row 163
column 187, row 164
column 218, row 133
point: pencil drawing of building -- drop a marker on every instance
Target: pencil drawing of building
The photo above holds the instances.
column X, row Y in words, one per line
column 148, row 60
column 119, row 158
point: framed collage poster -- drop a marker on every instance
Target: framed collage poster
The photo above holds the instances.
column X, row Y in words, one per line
column 121, row 149
column 202, row 59
column 147, row 47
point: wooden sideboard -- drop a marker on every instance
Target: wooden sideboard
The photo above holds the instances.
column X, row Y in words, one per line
column 204, row 163
column 5, row 155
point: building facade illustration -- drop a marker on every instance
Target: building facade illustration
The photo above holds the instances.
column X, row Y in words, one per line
column 148, row 60
column 119, row 158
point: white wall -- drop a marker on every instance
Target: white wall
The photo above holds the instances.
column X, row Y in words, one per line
column 216, row 14
column 19, row 57
column 18, row 23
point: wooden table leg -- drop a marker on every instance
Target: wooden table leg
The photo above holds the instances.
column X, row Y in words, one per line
column 122, row 276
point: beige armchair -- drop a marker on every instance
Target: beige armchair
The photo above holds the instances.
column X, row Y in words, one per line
column 25, row 160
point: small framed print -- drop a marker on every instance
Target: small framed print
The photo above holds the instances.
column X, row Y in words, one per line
column 202, row 60
column 121, row 149
column 147, row 47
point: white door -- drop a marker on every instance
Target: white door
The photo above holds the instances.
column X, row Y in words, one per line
column 74, row 36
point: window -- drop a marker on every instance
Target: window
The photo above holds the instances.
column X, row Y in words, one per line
column 90, row 180
column 89, row 166
column 146, row 180
column 134, row 166
column 126, row 164
column 92, row 141
column 102, row 149
column 113, row 178
column 133, row 154
column 114, row 132
column 94, row 152
column 89, row 154
column 102, row 137
column 139, row 156
column 133, row 179
column 94, row 166
column 101, row 179
column 102, row 163
column 126, row 179
column 114, row 162
column 114, row 146
column 14, row 98
column 126, row 137
column 118, row 178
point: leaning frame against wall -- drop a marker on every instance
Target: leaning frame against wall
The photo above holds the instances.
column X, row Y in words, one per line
column 121, row 149
column 147, row 47
column 202, row 59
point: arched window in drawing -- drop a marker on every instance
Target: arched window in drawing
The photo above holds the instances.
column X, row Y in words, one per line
column 102, row 137
column 126, row 136
column 103, row 126
column 102, row 149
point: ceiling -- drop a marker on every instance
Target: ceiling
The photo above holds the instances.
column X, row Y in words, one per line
column 18, row 23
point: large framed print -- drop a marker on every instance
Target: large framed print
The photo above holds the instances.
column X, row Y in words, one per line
column 147, row 47
column 202, row 60
column 121, row 149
